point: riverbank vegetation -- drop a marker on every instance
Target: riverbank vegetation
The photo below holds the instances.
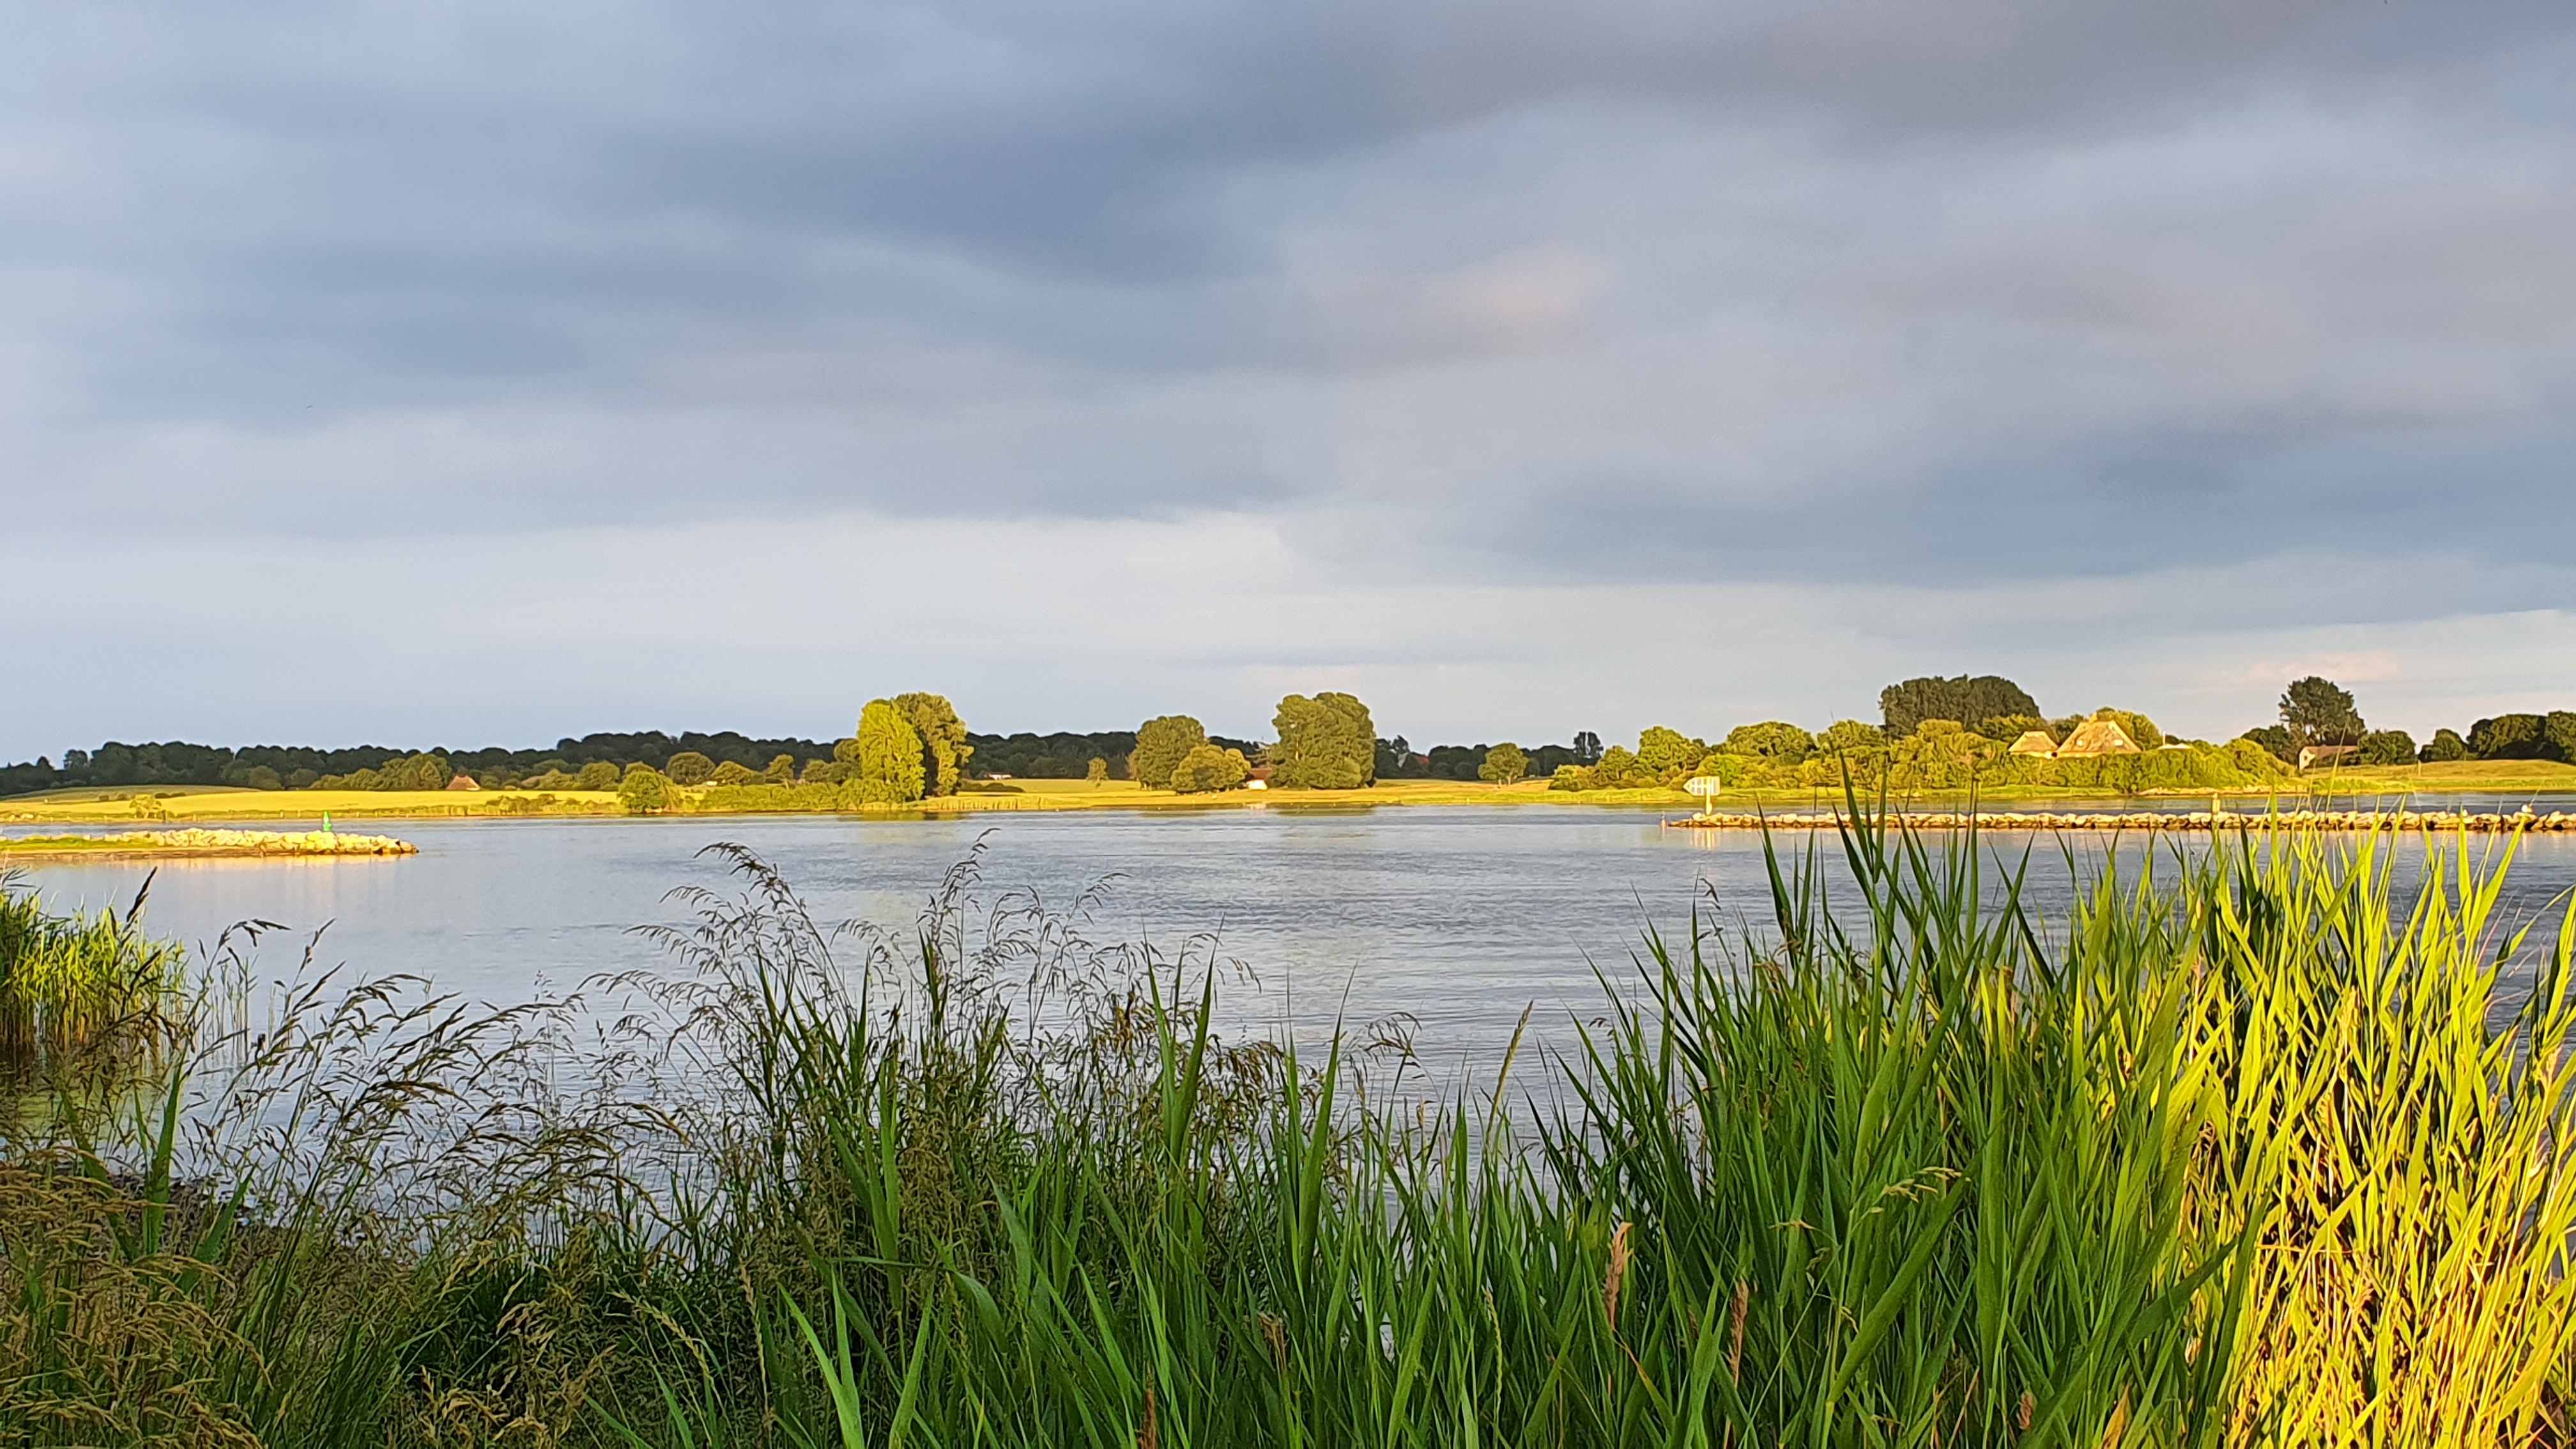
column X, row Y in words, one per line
column 80, row 991
column 2257, row 1146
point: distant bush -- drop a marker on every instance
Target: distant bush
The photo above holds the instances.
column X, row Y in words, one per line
column 1505, row 764
column 597, row 775
column 762, row 797
column 2276, row 741
column 2445, row 746
column 2257, row 761
column 644, row 791
column 2525, row 737
column 691, row 768
column 1668, row 754
column 1744, row 771
column 1207, row 769
column 2010, row 727
column 1844, row 736
column 1775, row 740
column 731, row 773
column 2388, row 747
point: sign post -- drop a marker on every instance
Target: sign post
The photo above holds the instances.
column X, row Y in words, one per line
column 1706, row 788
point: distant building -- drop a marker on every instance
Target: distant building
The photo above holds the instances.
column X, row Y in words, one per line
column 2034, row 742
column 2324, row 754
column 2097, row 737
column 463, row 782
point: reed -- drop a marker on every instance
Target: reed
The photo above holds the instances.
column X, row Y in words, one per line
column 2253, row 1147
column 73, row 988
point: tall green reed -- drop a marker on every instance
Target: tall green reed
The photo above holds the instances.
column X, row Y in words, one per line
column 74, row 987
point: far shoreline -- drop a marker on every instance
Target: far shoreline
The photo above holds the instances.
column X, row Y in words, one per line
column 145, row 808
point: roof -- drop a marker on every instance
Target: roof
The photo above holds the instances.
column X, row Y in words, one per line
column 2033, row 742
column 2098, row 737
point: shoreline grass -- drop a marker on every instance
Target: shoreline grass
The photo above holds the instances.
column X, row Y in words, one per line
column 79, row 992
column 2232, row 1154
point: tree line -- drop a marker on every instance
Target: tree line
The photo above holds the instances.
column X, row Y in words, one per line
column 1933, row 732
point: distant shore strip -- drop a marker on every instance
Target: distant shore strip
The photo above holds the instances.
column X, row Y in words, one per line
column 2180, row 821
column 207, row 844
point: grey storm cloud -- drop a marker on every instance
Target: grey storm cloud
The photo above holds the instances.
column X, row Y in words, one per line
column 1561, row 289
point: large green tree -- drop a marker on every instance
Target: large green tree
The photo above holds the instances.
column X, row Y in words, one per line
column 1161, row 744
column 1505, row 764
column 644, row 791
column 887, row 756
column 1665, row 751
column 1970, row 701
column 1849, row 736
column 689, row 768
column 1207, row 769
column 1324, row 743
column 944, row 751
column 1776, row 740
column 2444, row 747
column 2317, row 711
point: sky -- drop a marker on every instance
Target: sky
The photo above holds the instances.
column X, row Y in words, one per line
column 487, row 373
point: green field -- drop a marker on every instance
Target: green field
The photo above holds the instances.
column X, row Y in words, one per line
column 190, row 804
column 2504, row 777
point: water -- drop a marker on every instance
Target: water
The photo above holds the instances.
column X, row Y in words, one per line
column 1457, row 917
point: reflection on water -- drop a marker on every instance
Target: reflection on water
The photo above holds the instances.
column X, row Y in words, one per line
column 1458, row 916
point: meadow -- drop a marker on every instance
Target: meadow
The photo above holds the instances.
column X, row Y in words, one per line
column 182, row 805
column 2500, row 776
column 2254, row 1146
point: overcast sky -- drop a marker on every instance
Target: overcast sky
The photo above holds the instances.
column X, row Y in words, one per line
column 489, row 372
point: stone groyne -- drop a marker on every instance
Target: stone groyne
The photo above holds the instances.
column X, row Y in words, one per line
column 169, row 844
column 2201, row 820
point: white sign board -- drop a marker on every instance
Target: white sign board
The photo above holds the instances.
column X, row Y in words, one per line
column 1704, row 786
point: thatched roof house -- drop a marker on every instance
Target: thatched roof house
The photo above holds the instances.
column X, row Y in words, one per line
column 2097, row 737
column 2327, row 755
column 2034, row 742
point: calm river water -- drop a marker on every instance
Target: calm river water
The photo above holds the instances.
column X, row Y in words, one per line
column 1460, row 917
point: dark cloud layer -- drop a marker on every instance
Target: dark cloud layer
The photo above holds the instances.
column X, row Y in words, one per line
column 1460, row 295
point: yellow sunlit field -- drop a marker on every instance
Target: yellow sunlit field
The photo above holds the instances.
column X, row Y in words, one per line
column 2501, row 776
column 127, row 806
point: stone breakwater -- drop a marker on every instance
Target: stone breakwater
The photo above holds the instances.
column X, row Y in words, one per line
column 2203, row 821
column 167, row 843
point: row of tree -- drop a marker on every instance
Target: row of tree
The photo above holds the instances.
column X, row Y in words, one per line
column 294, row 767
column 914, row 745
column 2317, row 712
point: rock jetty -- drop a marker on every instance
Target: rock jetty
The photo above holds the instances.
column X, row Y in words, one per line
column 166, row 844
column 2200, row 820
